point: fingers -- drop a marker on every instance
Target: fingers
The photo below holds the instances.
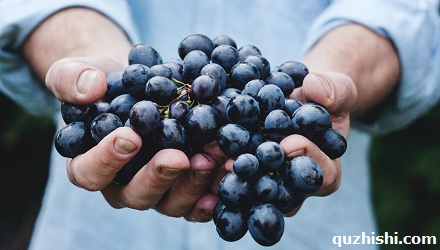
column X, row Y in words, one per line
column 297, row 145
column 96, row 168
column 80, row 80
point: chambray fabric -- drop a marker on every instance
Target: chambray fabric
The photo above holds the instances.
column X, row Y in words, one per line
column 72, row 218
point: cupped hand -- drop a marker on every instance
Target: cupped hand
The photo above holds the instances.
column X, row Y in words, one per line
column 170, row 182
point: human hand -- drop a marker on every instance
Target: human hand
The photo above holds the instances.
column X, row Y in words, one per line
column 170, row 182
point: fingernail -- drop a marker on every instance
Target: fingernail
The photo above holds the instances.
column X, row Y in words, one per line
column 170, row 171
column 202, row 175
column 124, row 146
column 206, row 212
column 86, row 80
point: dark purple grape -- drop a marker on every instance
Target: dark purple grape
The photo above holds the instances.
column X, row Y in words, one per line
column 282, row 80
column 270, row 97
column 270, row 155
column 253, row 87
column 202, row 124
column 161, row 90
column 224, row 40
column 217, row 72
column 103, row 125
column 170, row 134
column 241, row 73
column 265, row 224
column 248, row 50
column 144, row 117
column 291, row 105
column 135, row 78
column 231, row 224
column 246, row 166
column 243, row 110
column 218, row 208
column 122, row 105
column 311, row 120
column 195, row 42
column 78, row 113
column 160, row 70
column 205, row 89
column 235, row 192
column 144, row 54
column 266, row 188
column 74, row 139
column 230, row 92
column 176, row 70
column 101, row 107
column 277, row 125
column 332, row 143
column 234, row 140
column 193, row 63
column 179, row 110
column 287, row 198
column 256, row 140
column 261, row 63
column 296, row 70
column 225, row 56
column 304, row 174
column 219, row 104
column 114, row 85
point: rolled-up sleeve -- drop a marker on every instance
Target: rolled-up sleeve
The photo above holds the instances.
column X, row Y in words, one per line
column 414, row 28
column 18, row 18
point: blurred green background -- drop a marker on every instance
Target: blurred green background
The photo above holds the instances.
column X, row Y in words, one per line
column 405, row 175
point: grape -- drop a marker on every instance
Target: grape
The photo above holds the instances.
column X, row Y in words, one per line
column 246, row 166
column 224, row 40
column 243, row 110
column 266, row 188
column 304, row 174
column 161, row 90
column 235, row 192
column 78, row 113
column 144, row 117
column 122, row 105
column 114, row 85
column 265, row 224
column 144, row 54
column 241, row 73
column 311, row 120
column 230, row 92
column 282, row 80
column 287, row 198
column 277, row 125
column 202, row 123
column 270, row 97
column 179, row 110
column 231, row 224
column 253, row 87
column 332, row 143
column 248, row 50
column 217, row 72
column 193, row 63
column 220, row 104
column 261, row 63
column 103, row 125
column 291, row 105
column 160, row 70
column 170, row 134
column 296, row 70
column 225, row 56
column 195, row 42
column 205, row 89
column 270, row 155
column 73, row 140
column 234, row 139
column 176, row 70
column 134, row 79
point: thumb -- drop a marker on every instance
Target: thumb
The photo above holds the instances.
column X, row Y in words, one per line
column 335, row 91
column 80, row 80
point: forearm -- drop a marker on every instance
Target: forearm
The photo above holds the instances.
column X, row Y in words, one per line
column 75, row 32
column 368, row 59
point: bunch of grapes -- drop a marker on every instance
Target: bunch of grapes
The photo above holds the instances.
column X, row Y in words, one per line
column 214, row 91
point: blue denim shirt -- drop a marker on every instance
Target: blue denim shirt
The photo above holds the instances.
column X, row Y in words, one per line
column 72, row 218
